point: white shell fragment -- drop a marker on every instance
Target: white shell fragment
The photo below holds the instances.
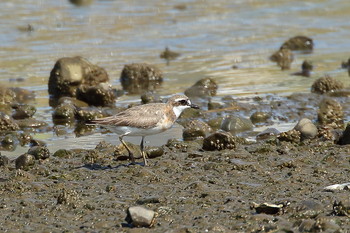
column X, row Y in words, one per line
column 333, row 187
column 139, row 216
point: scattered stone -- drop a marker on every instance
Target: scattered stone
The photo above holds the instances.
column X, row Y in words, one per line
column 330, row 113
column 345, row 137
column 69, row 198
column 4, row 161
column 139, row 216
column 81, row 2
column 23, row 111
column 64, row 113
column 215, row 123
column 72, row 101
column 325, row 85
column 25, row 161
column 292, row 136
column 39, row 152
column 259, row 117
column 31, row 123
column 268, row 208
column 7, row 96
column 154, row 152
column 203, row 88
column 63, row 153
column 99, row 95
column 219, row 141
column 283, row 57
column 195, row 129
column 150, row 97
column 307, row 129
column 7, row 124
column 71, row 72
column 267, row 134
column 306, row 69
column 299, row 43
column 309, row 208
column 139, row 77
column 23, row 95
column 236, row 124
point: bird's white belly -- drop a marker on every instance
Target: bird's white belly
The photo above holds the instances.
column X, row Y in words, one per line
column 132, row 131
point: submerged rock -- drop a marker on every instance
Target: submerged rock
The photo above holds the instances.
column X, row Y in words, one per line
column 302, row 43
column 139, row 77
column 283, row 57
column 203, row 88
column 81, row 2
column 23, row 95
column 306, row 69
column 139, row 216
column 100, row 95
column 306, row 128
column 4, row 161
column 259, row 117
column 71, row 72
column 331, row 113
column 23, row 111
column 63, row 113
column 236, row 124
column 219, row 141
column 25, row 161
column 195, row 129
column 168, row 55
column 326, row 84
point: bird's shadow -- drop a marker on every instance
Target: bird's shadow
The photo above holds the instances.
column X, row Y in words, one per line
column 95, row 166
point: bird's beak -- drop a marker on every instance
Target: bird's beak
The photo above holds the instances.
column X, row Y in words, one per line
column 194, row 106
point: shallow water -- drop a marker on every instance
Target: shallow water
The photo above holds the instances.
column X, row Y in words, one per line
column 211, row 37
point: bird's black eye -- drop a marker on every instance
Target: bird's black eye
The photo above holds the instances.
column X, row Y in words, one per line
column 183, row 102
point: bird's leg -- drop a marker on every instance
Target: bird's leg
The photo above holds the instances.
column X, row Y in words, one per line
column 142, row 152
column 131, row 156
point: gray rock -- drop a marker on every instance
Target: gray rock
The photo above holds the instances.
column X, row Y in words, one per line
column 139, row 77
column 24, row 161
column 195, row 129
column 7, row 124
column 71, row 72
column 4, row 161
column 259, row 117
column 299, row 43
column 101, row 94
column 326, row 84
column 203, row 88
column 23, row 111
column 283, row 57
column 219, row 141
column 63, row 113
column 267, row 134
column 306, row 128
column 331, row 113
column 139, row 216
column 39, row 152
column 236, row 124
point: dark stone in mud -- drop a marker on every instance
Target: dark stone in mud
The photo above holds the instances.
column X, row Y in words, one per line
column 63, row 153
column 219, row 141
column 139, row 216
column 215, row 123
column 154, row 152
column 203, row 88
column 39, row 152
column 7, row 124
column 71, row 72
column 64, row 113
column 195, row 129
column 69, row 198
column 345, row 138
column 259, row 117
column 307, row 129
column 330, row 113
column 150, row 97
column 168, row 55
column 31, row 123
column 303, row 43
column 23, row 111
column 9, row 142
column 4, row 161
column 25, row 161
column 88, row 114
column 306, row 69
column 139, row 77
column 100, row 95
column 292, row 136
column 236, row 124
column 326, row 84
column 283, row 57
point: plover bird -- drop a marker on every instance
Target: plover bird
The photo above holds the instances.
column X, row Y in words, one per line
column 145, row 120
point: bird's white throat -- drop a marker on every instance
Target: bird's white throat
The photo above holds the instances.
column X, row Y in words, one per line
column 178, row 110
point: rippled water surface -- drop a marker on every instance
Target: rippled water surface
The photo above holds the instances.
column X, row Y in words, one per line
column 211, row 36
